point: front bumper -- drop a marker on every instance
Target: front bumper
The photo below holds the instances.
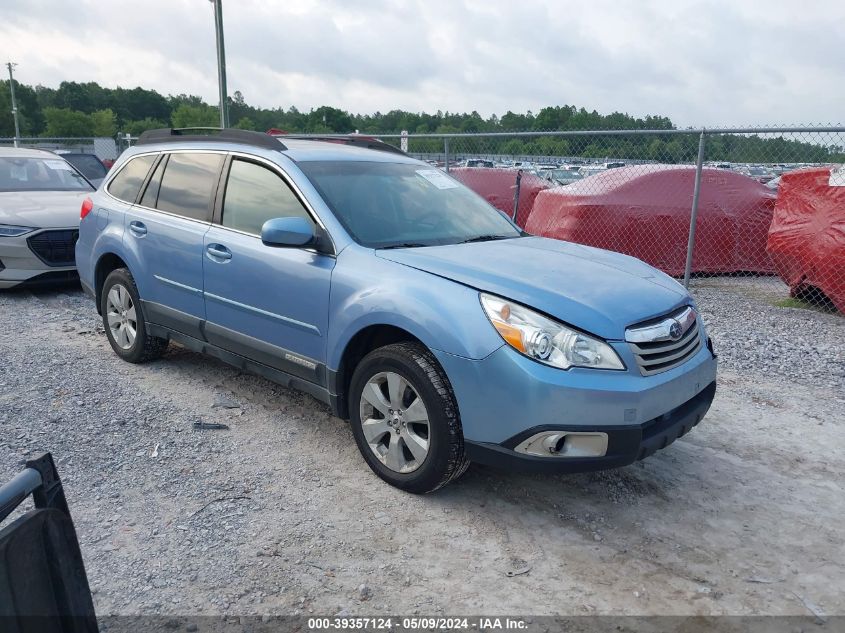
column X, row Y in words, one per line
column 507, row 398
column 19, row 264
column 626, row 444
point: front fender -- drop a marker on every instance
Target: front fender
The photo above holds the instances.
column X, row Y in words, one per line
column 368, row 290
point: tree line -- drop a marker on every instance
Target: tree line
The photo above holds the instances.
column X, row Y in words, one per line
column 87, row 109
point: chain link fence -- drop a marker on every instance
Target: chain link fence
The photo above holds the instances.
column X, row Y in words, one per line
column 104, row 147
column 761, row 208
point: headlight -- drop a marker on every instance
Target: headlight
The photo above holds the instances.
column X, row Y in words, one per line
column 7, row 230
column 545, row 340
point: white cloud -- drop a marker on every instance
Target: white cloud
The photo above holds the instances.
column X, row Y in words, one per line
column 701, row 63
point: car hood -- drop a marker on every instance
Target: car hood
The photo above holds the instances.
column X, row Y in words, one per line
column 592, row 289
column 41, row 209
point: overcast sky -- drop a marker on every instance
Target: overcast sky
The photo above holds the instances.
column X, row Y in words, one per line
column 728, row 62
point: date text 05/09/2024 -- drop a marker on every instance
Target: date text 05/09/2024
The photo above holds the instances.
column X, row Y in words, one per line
column 417, row 623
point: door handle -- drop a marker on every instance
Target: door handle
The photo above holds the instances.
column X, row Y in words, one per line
column 218, row 252
column 137, row 228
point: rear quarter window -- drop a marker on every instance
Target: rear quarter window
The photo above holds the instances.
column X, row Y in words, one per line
column 126, row 185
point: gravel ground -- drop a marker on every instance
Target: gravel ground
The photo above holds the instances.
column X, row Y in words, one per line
column 279, row 514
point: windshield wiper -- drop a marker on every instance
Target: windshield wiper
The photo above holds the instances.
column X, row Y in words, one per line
column 403, row 245
column 486, row 238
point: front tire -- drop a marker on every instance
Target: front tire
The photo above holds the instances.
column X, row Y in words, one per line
column 405, row 418
column 123, row 320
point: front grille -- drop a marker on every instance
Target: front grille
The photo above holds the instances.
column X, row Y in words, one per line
column 655, row 350
column 55, row 248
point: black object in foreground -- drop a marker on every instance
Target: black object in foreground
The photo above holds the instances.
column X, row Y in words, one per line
column 210, row 426
column 43, row 585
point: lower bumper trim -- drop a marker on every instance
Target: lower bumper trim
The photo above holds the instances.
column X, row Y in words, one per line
column 626, row 444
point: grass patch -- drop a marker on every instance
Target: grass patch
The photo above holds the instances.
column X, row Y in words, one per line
column 792, row 302
column 815, row 304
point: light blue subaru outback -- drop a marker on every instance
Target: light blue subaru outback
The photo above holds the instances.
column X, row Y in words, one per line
column 388, row 290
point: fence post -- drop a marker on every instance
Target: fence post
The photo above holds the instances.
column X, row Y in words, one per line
column 694, row 212
column 446, row 153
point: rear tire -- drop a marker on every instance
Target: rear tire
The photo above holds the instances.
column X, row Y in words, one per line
column 124, row 322
column 407, row 424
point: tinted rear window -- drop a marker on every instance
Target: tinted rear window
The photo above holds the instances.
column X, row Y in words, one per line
column 188, row 185
column 128, row 181
column 89, row 165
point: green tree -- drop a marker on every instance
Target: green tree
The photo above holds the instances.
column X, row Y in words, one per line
column 135, row 128
column 67, row 122
column 195, row 116
column 103, row 122
column 30, row 116
column 513, row 147
column 327, row 119
column 245, row 123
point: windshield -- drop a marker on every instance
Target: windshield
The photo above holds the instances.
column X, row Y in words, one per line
column 40, row 174
column 393, row 204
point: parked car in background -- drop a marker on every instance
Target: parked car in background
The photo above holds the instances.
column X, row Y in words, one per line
column 498, row 187
column 396, row 295
column 560, row 176
column 643, row 211
column 807, row 234
column 87, row 164
column 477, row 162
column 40, row 198
column 760, row 174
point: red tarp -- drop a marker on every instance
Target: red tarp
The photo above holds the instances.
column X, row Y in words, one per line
column 644, row 211
column 497, row 186
column 807, row 237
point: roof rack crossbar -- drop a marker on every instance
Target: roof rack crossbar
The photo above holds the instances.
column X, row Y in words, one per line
column 214, row 134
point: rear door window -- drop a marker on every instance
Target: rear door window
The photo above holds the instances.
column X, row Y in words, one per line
column 255, row 194
column 127, row 183
column 188, row 184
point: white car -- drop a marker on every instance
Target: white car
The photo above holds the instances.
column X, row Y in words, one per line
column 40, row 199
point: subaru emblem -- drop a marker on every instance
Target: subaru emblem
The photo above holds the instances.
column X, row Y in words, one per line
column 675, row 330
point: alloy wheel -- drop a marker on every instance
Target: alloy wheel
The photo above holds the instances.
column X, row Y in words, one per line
column 120, row 314
column 395, row 422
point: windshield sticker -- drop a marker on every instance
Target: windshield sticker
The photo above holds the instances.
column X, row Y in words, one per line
column 18, row 172
column 837, row 177
column 58, row 164
column 437, row 178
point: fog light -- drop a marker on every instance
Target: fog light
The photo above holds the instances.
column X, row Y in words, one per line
column 562, row 444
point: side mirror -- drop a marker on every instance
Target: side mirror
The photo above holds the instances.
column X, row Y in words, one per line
column 292, row 231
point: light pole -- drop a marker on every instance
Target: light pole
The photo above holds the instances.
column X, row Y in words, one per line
column 221, row 62
column 10, row 66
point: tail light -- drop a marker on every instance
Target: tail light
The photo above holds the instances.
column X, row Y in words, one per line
column 87, row 205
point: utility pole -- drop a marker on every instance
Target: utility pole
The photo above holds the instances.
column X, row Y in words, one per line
column 10, row 66
column 221, row 62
